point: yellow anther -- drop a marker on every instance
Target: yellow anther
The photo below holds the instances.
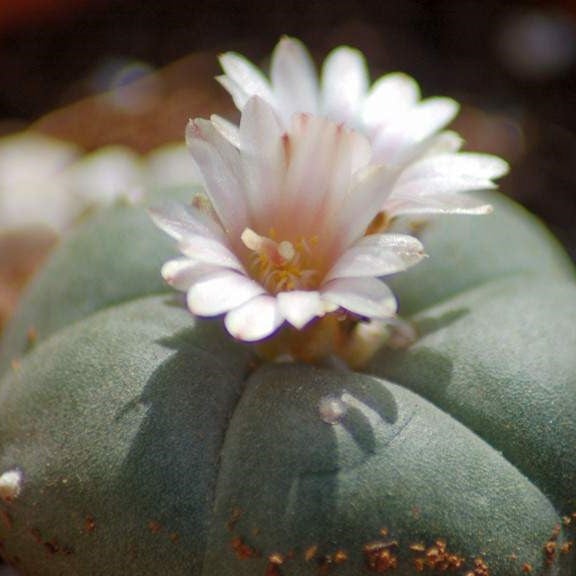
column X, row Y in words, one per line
column 280, row 266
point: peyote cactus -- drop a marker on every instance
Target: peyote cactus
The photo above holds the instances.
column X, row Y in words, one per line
column 148, row 443
column 136, row 438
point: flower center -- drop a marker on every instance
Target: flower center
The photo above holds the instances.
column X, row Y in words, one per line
column 281, row 266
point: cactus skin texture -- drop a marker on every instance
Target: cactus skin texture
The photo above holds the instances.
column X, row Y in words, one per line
column 149, row 442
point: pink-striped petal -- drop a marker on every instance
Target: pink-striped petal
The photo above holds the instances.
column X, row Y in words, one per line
column 367, row 297
column 255, row 319
column 324, row 156
column 262, row 159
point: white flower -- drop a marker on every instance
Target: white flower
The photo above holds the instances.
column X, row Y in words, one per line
column 107, row 176
column 31, row 188
column 169, row 166
column 287, row 240
column 405, row 132
column 49, row 183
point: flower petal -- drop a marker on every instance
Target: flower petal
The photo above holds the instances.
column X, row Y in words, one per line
column 399, row 141
column 181, row 273
column 344, row 83
column 262, row 158
column 433, row 186
column 437, row 204
column 321, row 157
column 227, row 129
column 294, row 80
column 464, row 165
column 378, row 255
column 254, row 320
column 220, row 292
column 299, row 307
column 367, row 297
column 447, row 142
column 391, row 95
column 239, row 95
column 246, row 76
column 181, row 221
column 365, row 199
column 210, row 251
column 219, row 163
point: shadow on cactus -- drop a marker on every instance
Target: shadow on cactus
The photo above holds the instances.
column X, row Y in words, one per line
column 323, row 422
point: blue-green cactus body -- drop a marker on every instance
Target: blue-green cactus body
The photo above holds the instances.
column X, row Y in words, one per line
column 151, row 442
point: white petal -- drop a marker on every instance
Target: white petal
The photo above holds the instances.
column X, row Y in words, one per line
column 366, row 198
column 447, row 142
column 181, row 221
column 181, row 273
column 239, row 95
column 259, row 127
column 220, row 166
column 262, row 158
column 437, row 204
column 221, row 292
column 364, row 296
column 344, row 83
column 227, row 129
column 466, row 165
column 378, row 255
column 299, row 307
column 391, row 95
column 401, row 139
column 210, row 251
column 254, row 320
column 245, row 75
column 294, row 80
column 427, row 187
column 205, row 131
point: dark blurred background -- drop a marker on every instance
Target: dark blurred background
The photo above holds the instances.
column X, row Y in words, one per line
column 511, row 63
